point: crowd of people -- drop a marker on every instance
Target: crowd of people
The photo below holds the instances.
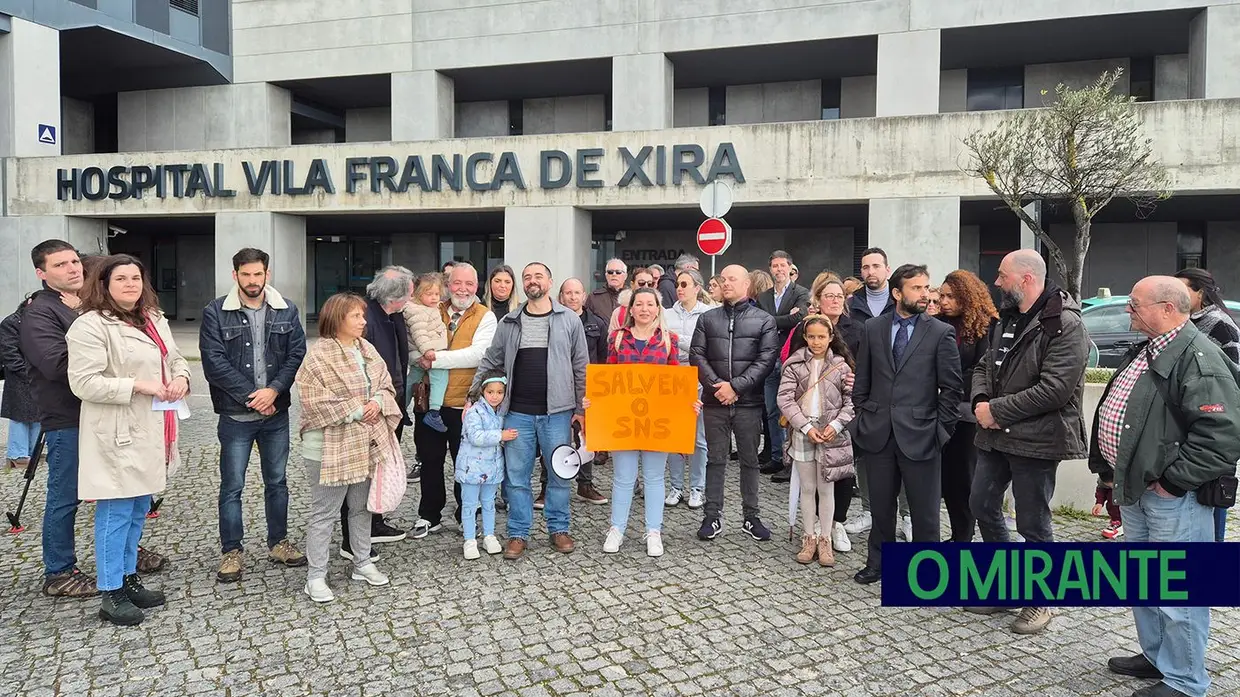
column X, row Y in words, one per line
column 910, row 394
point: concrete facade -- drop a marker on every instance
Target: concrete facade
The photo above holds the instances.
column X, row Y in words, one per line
column 368, row 125
column 423, row 106
column 775, row 102
column 559, row 237
column 481, row 119
column 918, row 230
column 643, row 86
column 204, row 118
column 908, row 73
column 29, row 89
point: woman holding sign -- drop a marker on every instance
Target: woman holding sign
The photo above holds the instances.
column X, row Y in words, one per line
column 644, row 339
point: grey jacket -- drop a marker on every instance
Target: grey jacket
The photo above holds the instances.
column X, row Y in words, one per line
column 1035, row 396
column 566, row 348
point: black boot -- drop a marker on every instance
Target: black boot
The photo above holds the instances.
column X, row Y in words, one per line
column 140, row 595
column 118, row 609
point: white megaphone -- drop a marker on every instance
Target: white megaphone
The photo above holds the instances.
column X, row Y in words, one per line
column 566, row 460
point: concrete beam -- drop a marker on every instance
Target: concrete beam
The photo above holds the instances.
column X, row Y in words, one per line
column 908, row 73
column 918, row 231
column 1214, row 53
column 642, row 92
column 423, row 106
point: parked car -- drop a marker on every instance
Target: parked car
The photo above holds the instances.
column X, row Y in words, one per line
column 1109, row 328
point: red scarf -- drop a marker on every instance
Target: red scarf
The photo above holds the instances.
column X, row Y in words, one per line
column 170, row 417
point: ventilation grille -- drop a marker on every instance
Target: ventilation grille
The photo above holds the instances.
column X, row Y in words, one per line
column 190, row 6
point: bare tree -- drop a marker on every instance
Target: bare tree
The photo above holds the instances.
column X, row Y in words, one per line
column 1083, row 150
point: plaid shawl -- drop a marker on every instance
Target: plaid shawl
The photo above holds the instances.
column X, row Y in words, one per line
column 331, row 389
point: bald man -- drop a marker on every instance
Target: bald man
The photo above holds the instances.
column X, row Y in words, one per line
column 1027, row 394
column 1167, row 429
column 735, row 347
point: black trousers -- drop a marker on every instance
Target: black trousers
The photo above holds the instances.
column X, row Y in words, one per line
column 375, row 518
column 433, row 448
column 959, row 463
column 922, row 481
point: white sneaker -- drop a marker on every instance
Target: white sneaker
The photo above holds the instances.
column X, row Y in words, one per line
column 423, row 527
column 839, row 539
column 612, row 544
column 906, row 529
column 471, row 549
column 674, row 497
column 370, row 574
column 654, row 543
column 859, row 524
column 491, row 544
column 697, row 498
column 318, row 591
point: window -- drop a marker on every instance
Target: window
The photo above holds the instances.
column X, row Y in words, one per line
column 830, row 100
column 1190, row 245
column 717, row 99
column 516, row 117
column 1002, row 88
column 1107, row 319
column 190, row 6
column 1141, row 79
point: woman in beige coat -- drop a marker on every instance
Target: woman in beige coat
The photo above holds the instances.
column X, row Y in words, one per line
column 121, row 358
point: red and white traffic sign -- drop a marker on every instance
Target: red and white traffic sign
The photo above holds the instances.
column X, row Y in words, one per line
column 714, row 236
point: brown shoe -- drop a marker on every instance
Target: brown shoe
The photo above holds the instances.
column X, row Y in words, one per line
column 149, row 562
column 826, row 553
column 809, row 549
column 70, row 584
column 514, row 549
column 285, row 553
column 587, row 493
column 230, row 567
column 562, row 542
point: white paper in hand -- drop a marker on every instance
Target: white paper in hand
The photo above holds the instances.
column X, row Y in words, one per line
column 179, row 406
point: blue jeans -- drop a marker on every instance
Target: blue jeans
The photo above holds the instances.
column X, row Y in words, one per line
column 21, row 439
column 471, row 496
column 773, row 414
column 624, row 479
column 1220, row 524
column 1172, row 638
column 697, row 463
column 547, row 432
column 237, row 440
column 59, row 554
column 118, row 528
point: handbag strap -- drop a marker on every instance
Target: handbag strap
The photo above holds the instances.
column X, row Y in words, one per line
column 820, row 380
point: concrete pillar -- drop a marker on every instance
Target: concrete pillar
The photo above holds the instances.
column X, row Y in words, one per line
column 423, row 106
column 219, row 117
column 282, row 236
column 918, row 231
column 1171, row 77
column 29, row 90
column 20, row 235
column 1213, row 53
column 953, row 91
column 642, row 92
column 559, row 237
column 908, row 73
column 1028, row 239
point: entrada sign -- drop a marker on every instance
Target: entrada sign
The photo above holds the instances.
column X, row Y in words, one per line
column 650, row 166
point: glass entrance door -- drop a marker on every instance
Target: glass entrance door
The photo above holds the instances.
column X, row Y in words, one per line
column 343, row 264
column 164, row 275
column 484, row 252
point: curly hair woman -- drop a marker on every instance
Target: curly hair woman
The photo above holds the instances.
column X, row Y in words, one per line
column 965, row 304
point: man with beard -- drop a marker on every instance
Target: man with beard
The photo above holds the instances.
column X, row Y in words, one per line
column 470, row 330
column 1027, row 394
column 907, row 392
column 252, row 344
column 541, row 347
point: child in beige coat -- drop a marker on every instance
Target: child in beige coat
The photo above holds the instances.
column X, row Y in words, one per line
column 427, row 334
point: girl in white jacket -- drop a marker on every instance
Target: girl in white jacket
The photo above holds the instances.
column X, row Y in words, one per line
column 427, row 334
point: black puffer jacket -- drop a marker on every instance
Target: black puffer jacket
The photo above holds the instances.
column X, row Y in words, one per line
column 18, row 402
column 737, row 344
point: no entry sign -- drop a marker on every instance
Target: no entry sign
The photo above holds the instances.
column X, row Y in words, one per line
column 714, row 236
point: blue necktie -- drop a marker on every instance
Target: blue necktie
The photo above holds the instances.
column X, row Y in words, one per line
column 901, row 342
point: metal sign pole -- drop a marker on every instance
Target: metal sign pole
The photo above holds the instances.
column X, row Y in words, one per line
column 712, row 266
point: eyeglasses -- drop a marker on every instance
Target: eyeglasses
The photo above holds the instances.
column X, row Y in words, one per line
column 615, row 272
column 833, row 296
column 1134, row 307
column 684, row 284
column 645, row 284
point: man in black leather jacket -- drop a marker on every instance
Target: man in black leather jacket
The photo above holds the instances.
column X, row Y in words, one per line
column 735, row 347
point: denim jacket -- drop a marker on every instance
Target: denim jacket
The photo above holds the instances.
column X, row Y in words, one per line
column 225, row 339
column 481, row 457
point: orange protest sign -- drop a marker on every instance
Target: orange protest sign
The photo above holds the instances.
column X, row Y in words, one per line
column 641, row 407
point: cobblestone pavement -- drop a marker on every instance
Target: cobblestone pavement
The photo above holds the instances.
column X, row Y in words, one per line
column 731, row 616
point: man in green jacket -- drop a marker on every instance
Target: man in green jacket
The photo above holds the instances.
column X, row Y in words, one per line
column 1158, row 454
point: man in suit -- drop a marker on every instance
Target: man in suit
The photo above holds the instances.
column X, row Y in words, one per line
column 787, row 302
column 907, row 392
